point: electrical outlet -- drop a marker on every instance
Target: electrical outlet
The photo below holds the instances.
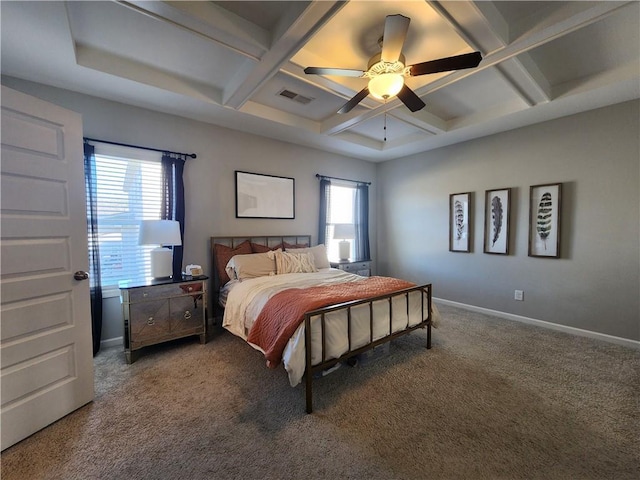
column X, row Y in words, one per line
column 519, row 295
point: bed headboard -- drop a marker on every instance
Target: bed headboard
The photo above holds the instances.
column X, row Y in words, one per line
column 233, row 243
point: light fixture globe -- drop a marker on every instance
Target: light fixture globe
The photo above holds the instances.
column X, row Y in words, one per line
column 386, row 85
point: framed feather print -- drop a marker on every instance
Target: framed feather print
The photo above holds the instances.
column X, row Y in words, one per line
column 497, row 206
column 544, row 220
column 459, row 222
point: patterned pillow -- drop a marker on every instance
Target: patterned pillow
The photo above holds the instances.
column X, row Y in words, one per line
column 319, row 253
column 224, row 254
column 294, row 262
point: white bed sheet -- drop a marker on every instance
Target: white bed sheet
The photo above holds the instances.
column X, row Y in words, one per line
column 246, row 299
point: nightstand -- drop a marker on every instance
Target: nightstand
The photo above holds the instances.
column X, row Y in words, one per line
column 162, row 310
column 362, row 267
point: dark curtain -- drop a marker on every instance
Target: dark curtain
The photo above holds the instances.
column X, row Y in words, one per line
column 94, row 250
column 173, row 202
column 325, row 194
column 361, row 216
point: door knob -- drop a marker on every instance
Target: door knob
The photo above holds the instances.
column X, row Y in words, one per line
column 80, row 275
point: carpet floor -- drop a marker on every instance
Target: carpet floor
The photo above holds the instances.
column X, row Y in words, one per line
column 493, row 399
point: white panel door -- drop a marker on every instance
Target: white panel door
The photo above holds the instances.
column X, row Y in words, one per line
column 46, row 352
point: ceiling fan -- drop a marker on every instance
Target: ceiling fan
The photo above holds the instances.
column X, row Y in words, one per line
column 386, row 70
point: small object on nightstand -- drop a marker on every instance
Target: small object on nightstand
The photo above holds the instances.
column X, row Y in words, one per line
column 162, row 310
column 362, row 267
column 193, row 270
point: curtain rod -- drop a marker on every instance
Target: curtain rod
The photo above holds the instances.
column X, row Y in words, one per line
column 87, row 139
column 343, row 179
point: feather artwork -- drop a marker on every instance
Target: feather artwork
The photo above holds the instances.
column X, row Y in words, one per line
column 459, row 218
column 496, row 216
column 543, row 225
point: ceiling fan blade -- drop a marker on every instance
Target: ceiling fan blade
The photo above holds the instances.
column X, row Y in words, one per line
column 410, row 99
column 347, row 107
column 395, row 31
column 343, row 72
column 459, row 62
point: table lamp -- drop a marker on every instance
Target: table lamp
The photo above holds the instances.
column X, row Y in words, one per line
column 344, row 231
column 162, row 233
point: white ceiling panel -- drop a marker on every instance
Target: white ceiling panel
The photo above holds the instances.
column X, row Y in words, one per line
column 589, row 51
column 277, row 93
column 149, row 41
column 484, row 91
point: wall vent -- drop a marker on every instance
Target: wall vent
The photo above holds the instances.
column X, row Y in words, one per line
column 296, row 97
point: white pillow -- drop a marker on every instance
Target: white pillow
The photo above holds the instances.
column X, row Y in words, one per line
column 319, row 252
column 251, row 265
column 287, row 262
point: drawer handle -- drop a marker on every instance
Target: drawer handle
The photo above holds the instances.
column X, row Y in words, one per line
column 150, row 321
column 191, row 289
column 187, row 315
column 145, row 294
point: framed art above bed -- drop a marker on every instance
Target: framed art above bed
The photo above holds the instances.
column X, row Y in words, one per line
column 264, row 196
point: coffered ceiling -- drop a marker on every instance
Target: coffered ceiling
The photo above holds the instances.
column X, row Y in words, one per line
column 240, row 64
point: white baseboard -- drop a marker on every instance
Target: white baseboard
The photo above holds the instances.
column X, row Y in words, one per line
column 112, row 342
column 635, row 344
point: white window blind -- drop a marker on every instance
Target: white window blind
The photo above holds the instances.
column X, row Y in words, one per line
column 340, row 210
column 129, row 190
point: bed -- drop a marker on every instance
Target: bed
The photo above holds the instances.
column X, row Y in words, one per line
column 281, row 296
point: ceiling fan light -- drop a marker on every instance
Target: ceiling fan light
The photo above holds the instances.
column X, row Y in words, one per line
column 386, row 85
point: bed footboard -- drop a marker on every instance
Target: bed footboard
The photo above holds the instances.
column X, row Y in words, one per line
column 375, row 324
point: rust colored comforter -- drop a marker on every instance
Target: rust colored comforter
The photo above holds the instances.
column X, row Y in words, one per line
column 284, row 312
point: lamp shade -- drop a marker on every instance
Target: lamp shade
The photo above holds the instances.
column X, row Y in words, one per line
column 160, row 232
column 344, row 231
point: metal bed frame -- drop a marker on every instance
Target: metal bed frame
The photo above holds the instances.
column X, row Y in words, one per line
column 425, row 306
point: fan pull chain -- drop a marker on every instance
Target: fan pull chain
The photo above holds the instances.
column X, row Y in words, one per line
column 385, row 121
column 385, row 127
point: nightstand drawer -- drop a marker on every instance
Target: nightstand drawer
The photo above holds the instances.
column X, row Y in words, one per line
column 354, row 267
column 148, row 321
column 185, row 313
column 362, row 268
column 163, row 291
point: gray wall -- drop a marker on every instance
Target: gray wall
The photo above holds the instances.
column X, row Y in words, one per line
column 594, row 286
column 209, row 179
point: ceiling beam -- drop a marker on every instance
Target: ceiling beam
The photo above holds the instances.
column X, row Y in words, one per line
column 208, row 21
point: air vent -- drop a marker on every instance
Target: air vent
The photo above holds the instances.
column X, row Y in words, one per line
column 296, row 97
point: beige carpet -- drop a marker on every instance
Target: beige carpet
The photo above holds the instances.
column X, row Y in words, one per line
column 492, row 399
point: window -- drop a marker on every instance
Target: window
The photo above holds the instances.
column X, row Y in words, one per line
column 128, row 190
column 345, row 203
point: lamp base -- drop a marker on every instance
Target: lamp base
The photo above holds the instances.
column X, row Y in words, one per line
column 161, row 262
column 344, row 250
